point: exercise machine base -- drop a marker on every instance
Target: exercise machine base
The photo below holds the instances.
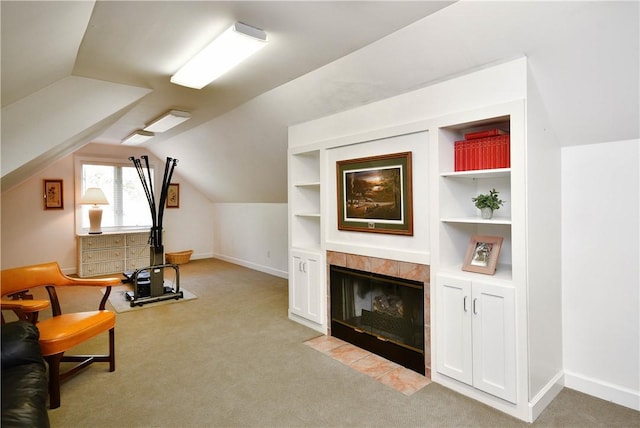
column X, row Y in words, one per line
column 148, row 285
column 172, row 294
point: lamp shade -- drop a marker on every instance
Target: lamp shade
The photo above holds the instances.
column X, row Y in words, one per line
column 94, row 196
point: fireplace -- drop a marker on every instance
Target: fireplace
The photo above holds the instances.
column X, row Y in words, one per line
column 380, row 313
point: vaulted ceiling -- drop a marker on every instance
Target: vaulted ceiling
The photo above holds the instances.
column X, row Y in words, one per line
column 84, row 72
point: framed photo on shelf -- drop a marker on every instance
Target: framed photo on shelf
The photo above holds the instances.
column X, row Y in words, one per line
column 173, row 195
column 375, row 195
column 482, row 254
column 53, row 196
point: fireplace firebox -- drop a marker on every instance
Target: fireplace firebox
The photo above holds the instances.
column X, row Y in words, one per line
column 379, row 313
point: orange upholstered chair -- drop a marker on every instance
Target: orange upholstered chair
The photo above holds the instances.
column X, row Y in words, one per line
column 61, row 332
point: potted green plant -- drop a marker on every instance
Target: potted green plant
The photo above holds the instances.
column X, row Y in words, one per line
column 488, row 203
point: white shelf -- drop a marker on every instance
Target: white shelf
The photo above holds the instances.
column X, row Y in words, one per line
column 309, row 248
column 478, row 173
column 313, row 215
column 308, row 185
column 477, row 220
column 503, row 273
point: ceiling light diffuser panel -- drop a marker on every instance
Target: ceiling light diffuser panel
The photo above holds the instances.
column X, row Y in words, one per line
column 221, row 55
column 138, row 137
column 168, row 120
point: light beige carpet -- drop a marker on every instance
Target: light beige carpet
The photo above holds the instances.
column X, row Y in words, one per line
column 120, row 304
column 232, row 358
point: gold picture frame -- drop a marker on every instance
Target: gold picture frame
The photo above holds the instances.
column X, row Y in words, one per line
column 173, row 196
column 53, row 194
column 482, row 254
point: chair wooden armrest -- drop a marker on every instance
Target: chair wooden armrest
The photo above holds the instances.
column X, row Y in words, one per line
column 24, row 305
column 90, row 282
column 26, row 310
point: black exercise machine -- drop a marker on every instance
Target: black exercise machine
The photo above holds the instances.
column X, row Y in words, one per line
column 148, row 282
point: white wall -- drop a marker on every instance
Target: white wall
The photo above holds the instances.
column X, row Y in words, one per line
column 32, row 235
column 601, row 278
column 252, row 235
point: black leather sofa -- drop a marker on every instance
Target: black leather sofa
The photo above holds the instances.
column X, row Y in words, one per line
column 24, row 377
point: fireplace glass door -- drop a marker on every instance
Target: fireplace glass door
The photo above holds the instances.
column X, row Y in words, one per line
column 379, row 313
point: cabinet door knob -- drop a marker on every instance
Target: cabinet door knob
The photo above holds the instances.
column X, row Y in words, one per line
column 464, row 303
column 475, row 311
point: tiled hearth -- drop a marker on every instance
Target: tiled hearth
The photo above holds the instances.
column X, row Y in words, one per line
column 384, row 371
column 394, row 268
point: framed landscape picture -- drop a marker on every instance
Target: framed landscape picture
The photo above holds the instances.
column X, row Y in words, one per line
column 482, row 254
column 173, row 195
column 375, row 195
column 53, row 197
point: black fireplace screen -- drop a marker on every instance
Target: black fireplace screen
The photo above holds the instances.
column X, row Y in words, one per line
column 389, row 309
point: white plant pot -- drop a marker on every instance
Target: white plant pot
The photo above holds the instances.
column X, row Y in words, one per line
column 486, row 213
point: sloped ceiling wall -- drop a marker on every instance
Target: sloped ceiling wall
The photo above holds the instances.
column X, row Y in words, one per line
column 46, row 112
column 583, row 56
column 68, row 113
column 39, row 54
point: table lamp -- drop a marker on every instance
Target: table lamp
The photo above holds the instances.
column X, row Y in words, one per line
column 94, row 196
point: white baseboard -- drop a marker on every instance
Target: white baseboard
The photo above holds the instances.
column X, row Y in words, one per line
column 305, row 322
column 546, row 395
column 254, row 266
column 196, row 256
column 603, row 390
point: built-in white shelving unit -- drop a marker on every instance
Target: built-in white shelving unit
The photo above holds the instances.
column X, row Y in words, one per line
column 307, row 296
column 475, row 338
column 488, row 344
column 495, row 338
column 458, row 217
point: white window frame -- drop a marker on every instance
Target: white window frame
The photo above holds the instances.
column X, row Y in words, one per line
column 79, row 161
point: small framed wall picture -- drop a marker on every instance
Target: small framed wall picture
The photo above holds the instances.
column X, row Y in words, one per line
column 53, row 196
column 482, row 254
column 173, row 195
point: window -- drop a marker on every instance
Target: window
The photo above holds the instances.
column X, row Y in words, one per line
column 128, row 206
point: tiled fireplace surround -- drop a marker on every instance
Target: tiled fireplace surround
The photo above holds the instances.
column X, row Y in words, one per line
column 398, row 269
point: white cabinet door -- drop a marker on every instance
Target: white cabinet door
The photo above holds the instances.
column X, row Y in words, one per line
column 476, row 335
column 298, row 287
column 494, row 340
column 454, row 328
column 305, row 286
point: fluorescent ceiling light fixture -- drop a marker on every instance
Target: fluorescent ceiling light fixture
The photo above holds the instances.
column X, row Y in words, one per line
column 168, row 120
column 221, row 55
column 138, row 137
